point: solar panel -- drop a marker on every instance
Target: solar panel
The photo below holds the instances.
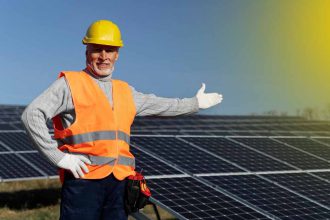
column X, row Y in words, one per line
column 141, row 132
column 309, row 146
column 323, row 140
column 161, row 132
column 3, row 147
column 222, row 133
column 255, row 133
column 7, row 127
column 199, row 133
column 283, row 133
column 13, row 167
column 39, row 161
column 323, row 175
column 151, row 165
column 238, row 154
column 183, row 155
column 231, row 123
column 16, row 141
column 243, row 133
column 305, row 184
column 194, row 200
column 322, row 134
column 18, row 126
column 322, row 127
column 284, row 153
column 269, row 197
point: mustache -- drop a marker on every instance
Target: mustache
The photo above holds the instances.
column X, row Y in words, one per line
column 91, row 68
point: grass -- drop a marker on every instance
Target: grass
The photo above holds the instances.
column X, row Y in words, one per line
column 40, row 200
column 44, row 213
column 29, row 185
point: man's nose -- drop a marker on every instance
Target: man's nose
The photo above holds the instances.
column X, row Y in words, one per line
column 103, row 54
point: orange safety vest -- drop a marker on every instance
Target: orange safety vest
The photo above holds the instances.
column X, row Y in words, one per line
column 100, row 132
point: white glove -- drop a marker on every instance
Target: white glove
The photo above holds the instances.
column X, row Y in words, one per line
column 74, row 163
column 207, row 100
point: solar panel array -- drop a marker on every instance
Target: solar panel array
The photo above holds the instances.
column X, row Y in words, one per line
column 210, row 167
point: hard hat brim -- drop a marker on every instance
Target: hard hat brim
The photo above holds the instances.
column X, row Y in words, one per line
column 102, row 42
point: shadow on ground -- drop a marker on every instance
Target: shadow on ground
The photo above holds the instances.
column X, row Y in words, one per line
column 29, row 199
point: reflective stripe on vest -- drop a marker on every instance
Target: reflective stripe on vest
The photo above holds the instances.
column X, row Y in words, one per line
column 99, row 160
column 96, row 135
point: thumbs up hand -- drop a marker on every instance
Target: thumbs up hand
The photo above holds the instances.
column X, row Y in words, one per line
column 207, row 100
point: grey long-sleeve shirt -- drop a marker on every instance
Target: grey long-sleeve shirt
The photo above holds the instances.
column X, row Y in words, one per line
column 56, row 100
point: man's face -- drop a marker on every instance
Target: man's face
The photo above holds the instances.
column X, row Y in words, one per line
column 101, row 58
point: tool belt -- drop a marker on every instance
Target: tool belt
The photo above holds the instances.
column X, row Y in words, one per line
column 137, row 193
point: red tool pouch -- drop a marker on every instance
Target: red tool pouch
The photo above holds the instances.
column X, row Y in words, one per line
column 137, row 193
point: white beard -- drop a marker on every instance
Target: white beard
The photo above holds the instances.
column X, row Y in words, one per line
column 97, row 71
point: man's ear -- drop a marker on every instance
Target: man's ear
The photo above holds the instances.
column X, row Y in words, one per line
column 117, row 56
column 86, row 55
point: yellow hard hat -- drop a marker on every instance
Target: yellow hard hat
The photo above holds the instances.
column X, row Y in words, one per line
column 103, row 32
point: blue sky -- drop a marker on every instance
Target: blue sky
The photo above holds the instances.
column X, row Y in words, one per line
column 170, row 48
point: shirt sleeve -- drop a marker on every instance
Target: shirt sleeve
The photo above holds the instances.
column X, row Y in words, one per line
column 51, row 102
column 150, row 104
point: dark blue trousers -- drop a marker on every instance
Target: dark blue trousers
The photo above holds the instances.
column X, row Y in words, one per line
column 92, row 199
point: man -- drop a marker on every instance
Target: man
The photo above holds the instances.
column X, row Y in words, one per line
column 92, row 115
